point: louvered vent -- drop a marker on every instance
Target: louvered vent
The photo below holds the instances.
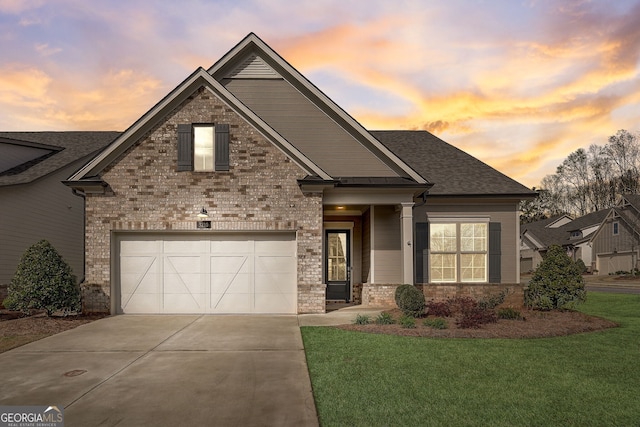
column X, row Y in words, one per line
column 253, row 67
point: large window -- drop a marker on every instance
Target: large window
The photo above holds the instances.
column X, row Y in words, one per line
column 203, row 148
column 458, row 252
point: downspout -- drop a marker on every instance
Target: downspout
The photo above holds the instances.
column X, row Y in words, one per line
column 82, row 194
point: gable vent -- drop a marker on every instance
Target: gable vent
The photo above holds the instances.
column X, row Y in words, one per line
column 253, row 67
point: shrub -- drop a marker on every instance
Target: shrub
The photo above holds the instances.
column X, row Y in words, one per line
column 582, row 268
column 436, row 323
column 557, row 283
column 385, row 319
column 491, row 302
column 461, row 304
column 439, row 308
column 510, row 314
column 362, row 319
column 43, row 281
column 410, row 300
column 407, row 321
column 475, row 317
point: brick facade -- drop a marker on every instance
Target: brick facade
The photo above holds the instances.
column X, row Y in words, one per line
column 258, row 193
column 384, row 295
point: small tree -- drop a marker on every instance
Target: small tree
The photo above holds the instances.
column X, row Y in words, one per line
column 557, row 283
column 43, row 281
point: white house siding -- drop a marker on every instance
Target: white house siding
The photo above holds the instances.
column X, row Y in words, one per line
column 43, row 209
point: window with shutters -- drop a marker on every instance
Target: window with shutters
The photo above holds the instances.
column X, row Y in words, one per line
column 458, row 252
column 203, row 147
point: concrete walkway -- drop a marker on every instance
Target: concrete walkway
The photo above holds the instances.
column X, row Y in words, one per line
column 169, row 371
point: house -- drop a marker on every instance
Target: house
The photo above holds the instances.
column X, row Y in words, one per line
column 34, row 204
column 247, row 190
column 574, row 235
column 617, row 241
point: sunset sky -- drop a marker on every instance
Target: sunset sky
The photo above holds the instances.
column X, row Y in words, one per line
column 519, row 84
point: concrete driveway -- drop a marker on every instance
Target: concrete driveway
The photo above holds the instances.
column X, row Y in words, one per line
column 167, row 371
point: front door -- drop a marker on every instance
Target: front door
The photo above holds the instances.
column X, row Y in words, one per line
column 338, row 264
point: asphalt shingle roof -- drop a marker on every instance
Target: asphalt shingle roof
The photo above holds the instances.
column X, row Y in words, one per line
column 75, row 145
column 451, row 170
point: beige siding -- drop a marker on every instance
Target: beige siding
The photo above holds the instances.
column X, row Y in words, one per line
column 386, row 245
column 503, row 212
column 307, row 127
column 44, row 209
column 366, row 247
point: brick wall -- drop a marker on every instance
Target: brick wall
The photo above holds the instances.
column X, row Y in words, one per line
column 440, row 292
column 258, row 193
column 384, row 295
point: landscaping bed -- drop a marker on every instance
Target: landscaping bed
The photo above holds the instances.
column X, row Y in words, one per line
column 17, row 329
column 536, row 324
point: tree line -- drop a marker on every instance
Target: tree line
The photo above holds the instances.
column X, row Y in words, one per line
column 589, row 180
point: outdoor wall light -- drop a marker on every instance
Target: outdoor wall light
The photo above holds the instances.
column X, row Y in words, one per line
column 203, row 213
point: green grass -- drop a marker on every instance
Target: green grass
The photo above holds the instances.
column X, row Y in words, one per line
column 588, row 379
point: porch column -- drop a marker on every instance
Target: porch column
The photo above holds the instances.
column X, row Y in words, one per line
column 406, row 231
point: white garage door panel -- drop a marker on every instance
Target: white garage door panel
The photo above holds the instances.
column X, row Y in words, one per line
column 231, row 273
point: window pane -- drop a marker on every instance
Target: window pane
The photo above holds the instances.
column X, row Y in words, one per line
column 443, row 267
column 203, row 137
column 473, row 267
column 443, row 238
column 473, row 237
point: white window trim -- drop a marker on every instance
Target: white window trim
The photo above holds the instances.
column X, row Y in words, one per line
column 458, row 271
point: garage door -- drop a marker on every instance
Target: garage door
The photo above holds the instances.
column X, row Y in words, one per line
column 226, row 273
column 608, row 264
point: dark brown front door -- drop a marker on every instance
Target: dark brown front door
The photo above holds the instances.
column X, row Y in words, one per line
column 338, row 264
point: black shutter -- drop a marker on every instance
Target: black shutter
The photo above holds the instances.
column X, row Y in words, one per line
column 421, row 247
column 185, row 148
column 495, row 252
column 222, row 147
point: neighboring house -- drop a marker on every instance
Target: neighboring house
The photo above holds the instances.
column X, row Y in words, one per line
column 247, row 190
column 574, row 235
column 616, row 243
column 34, row 204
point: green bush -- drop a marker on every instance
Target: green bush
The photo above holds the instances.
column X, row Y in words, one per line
column 581, row 266
column 510, row 314
column 362, row 319
column 43, row 281
column 385, row 319
column 491, row 302
column 407, row 321
column 410, row 300
column 436, row 323
column 557, row 283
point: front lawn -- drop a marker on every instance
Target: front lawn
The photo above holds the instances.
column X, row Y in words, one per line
column 590, row 379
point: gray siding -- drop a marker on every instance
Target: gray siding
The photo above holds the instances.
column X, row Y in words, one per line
column 386, row 245
column 606, row 242
column 503, row 212
column 309, row 129
column 44, row 209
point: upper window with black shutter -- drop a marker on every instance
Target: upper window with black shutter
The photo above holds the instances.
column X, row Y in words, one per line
column 203, row 147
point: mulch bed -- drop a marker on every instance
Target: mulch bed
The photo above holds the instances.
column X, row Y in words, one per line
column 13, row 323
column 537, row 324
